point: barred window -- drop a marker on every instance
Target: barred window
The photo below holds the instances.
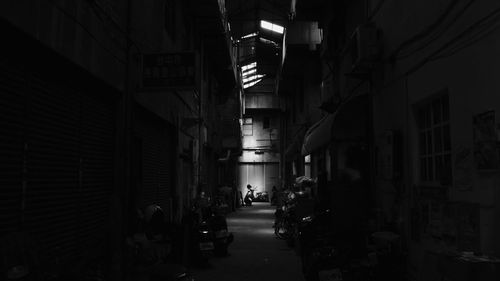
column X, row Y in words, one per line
column 433, row 118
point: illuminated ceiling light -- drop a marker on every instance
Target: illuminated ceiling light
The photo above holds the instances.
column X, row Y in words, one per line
column 249, row 71
column 253, row 77
column 249, row 35
column 249, row 66
column 271, row 26
column 251, row 84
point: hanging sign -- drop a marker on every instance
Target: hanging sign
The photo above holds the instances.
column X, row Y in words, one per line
column 169, row 70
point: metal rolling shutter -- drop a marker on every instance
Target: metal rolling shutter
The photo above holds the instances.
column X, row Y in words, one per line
column 64, row 137
column 157, row 159
column 12, row 103
column 151, row 165
column 53, row 130
column 165, row 173
column 97, row 145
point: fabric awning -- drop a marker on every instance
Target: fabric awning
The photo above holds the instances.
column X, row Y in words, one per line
column 348, row 123
column 318, row 134
column 294, row 148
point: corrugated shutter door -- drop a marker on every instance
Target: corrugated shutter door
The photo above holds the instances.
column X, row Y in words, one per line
column 56, row 145
column 53, row 126
column 151, row 163
column 157, row 146
column 97, row 139
column 64, row 138
column 165, row 170
column 12, row 103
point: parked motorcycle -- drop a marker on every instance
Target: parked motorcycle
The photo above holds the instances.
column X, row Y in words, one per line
column 205, row 239
column 325, row 257
column 214, row 237
column 150, row 247
column 262, row 196
column 221, row 236
column 285, row 225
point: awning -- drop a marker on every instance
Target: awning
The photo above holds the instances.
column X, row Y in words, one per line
column 294, row 148
column 348, row 123
column 318, row 134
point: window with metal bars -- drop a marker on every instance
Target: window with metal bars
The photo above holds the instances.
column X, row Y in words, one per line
column 433, row 120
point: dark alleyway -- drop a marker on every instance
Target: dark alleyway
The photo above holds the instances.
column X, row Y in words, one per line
column 374, row 124
column 255, row 254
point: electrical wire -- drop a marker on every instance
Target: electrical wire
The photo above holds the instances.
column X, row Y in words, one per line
column 444, row 50
column 452, row 52
column 425, row 32
column 84, row 28
column 445, row 47
column 376, row 9
column 436, row 36
column 99, row 10
column 490, row 27
column 485, row 21
column 98, row 14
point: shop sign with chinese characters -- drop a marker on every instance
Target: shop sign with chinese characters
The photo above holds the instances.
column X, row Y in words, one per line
column 169, row 70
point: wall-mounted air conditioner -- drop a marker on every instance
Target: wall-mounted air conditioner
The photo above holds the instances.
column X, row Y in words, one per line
column 364, row 48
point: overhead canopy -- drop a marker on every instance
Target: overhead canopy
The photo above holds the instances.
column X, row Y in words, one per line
column 258, row 28
column 318, row 134
column 348, row 123
column 294, row 148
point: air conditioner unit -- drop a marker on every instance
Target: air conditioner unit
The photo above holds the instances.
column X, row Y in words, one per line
column 364, row 48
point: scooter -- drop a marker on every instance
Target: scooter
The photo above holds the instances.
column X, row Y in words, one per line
column 262, row 197
column 324, row 257
column 149, row 250
column 205, row 239
column 221, row 236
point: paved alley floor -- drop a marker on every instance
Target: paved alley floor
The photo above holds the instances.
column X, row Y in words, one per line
column 255, row 254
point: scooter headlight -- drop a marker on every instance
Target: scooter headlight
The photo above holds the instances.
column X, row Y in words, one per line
column 307, row 219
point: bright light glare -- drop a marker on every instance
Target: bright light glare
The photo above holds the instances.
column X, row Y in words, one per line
column 250, row 71
column 253, row 77
column 271, row 26
column 249, row 35
column 248, row 66
column 251, row 84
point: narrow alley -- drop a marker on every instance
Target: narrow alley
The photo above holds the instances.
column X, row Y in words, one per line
column 354, row 140
column 256, row 254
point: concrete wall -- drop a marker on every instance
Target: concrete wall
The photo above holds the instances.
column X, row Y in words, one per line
column 90, row 34
column 262, row 138
column 470, row 77
column 399, row 85
column 259, row 161
column 261, row 176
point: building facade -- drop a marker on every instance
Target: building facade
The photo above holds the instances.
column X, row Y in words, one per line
column 425, row 73
column 108, row 111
